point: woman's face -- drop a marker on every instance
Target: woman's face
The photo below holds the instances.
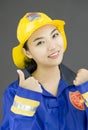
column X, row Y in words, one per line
column 46, row 46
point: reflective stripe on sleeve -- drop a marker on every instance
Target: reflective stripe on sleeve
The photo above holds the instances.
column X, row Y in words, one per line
column 23, row 106
column 85, row 97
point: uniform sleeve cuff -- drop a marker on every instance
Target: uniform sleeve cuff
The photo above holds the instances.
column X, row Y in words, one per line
column 26, row 102
column 83, row 88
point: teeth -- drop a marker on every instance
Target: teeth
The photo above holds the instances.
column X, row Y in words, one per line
column 54, row 54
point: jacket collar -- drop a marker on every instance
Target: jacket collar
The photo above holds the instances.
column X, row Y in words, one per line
column 67, row 74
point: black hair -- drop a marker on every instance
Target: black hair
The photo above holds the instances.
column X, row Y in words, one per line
column 30, row 65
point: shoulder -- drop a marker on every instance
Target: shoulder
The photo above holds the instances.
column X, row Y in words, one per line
column 11, row 88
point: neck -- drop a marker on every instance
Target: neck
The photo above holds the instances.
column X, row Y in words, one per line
column 47, row 74
column 49, row 78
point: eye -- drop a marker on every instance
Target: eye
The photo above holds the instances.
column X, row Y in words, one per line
column 55, row 35
column 40, row 43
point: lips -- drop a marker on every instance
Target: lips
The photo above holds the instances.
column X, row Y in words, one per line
column 54, row 55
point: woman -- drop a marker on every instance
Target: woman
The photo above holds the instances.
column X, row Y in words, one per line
column 51, row 97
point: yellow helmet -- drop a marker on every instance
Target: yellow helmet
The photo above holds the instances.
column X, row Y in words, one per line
column 29, row 23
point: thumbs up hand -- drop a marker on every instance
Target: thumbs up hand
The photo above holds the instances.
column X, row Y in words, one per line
column 30, row 83
column 81, row 77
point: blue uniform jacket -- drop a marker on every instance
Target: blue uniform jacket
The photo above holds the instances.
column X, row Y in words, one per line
column 28, row 110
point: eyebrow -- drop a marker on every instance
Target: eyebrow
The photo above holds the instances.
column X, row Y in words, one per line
column 43, row 37
column 38, row 38
column 53, row 31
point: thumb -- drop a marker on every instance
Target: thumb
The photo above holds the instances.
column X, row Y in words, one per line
column 21, row 76
column 75, row 82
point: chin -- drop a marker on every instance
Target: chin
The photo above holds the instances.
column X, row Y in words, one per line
column 53, row 64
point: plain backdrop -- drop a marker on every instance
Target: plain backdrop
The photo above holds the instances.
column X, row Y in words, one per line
column 75, row 14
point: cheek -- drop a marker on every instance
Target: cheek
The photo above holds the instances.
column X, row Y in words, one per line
column 38, row 53
column 39, row 57
column 61, row 43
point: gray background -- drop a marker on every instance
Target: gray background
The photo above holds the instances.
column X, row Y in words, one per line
column 74, row 12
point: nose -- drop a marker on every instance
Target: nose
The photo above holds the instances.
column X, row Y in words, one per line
column 51, row 45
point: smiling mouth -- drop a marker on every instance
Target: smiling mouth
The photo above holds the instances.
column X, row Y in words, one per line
column 54, row 55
